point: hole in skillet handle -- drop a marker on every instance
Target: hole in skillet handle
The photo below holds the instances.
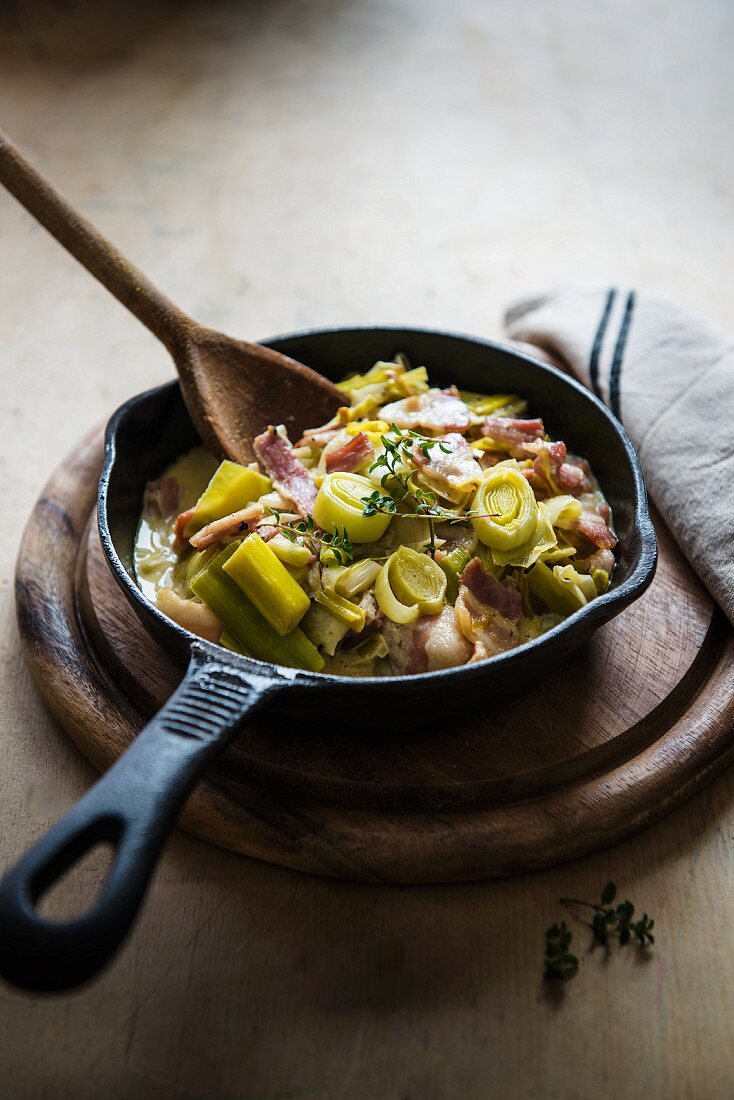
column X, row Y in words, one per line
column 132, row 806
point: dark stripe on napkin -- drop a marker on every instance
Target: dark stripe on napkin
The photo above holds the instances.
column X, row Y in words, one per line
column 598, row 341
column 615, row 372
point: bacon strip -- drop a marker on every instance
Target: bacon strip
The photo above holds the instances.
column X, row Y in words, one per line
column 353, row 454
column 435, row 411
column 551, row 474
column 506, row 430
column 485, row 588
column 182, row 520
column 292, row 479
column 234, row 524
column 450, row 462
column 163, row 493
column 595, row 530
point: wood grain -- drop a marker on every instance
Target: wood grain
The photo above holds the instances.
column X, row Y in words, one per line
column 631, row 725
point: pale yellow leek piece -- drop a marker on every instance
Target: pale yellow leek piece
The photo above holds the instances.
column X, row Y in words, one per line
column 562, row 589
column 340, row 504
column 563, row 511
column 268, row 584
column 292, row 553
column 540, row 542
column 506, row 507
column 410, row 584
column 231, row 488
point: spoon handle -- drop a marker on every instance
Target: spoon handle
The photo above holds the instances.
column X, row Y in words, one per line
column 90, row 248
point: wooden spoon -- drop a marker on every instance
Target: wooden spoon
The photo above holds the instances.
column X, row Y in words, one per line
column 233, row 390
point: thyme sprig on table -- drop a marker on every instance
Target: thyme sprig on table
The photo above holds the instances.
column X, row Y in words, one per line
column 607, row 922
column 315, row 538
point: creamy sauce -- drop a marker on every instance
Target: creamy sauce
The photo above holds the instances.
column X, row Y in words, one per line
column 155, row 556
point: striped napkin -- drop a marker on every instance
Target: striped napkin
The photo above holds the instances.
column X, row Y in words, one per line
column 668, row 375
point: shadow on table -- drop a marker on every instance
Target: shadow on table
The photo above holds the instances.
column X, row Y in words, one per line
column 82, row 35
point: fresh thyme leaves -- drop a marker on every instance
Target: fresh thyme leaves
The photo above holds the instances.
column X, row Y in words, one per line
column 378, row 502
column 560, row 964
column 338, row 543
column 607, row 922
column 401, row 486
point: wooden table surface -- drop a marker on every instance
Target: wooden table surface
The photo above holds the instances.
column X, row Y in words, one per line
column 397, row 161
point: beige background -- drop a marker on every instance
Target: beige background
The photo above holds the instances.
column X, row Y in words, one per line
column 282, row 164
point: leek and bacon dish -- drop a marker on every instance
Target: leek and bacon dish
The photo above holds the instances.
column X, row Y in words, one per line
column 420, row 529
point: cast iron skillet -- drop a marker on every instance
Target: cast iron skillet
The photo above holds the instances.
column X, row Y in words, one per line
column 134, row 804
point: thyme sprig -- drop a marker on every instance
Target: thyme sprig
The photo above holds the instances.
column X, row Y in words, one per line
column 401, row 489
column 315, row 538
column 607, row 922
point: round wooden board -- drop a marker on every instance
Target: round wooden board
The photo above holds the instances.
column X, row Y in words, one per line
column 633, row 725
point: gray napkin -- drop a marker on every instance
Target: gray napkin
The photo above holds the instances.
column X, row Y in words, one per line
column 668, row 375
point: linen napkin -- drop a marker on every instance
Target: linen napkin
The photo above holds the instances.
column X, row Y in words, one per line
column 668, row 375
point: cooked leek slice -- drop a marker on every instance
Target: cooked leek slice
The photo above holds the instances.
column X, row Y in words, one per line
column 339, row 504
column 356, row 578
column 413, row 531
column 540, row 542
column 187, row 567
column 344, row 610
column 266, row 581
column 388, row 602
column 563, row 511
column 377, row 373
column 559, row 555
column 292, row 553
column 600, row 578
column 482, row 404
column 322, row 586
column 453, row 566
column 250, row 631
column 561, row 589
column 231, row 488
column 229, row 642
column 323, row 629
column 582, row 581
column 508, row 511
column 410, row 584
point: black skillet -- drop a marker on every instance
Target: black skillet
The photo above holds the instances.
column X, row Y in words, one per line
column 135, row 803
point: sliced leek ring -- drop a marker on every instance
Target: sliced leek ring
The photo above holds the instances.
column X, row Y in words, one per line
column 508, row 511
column 339, row 504
column 410, row 584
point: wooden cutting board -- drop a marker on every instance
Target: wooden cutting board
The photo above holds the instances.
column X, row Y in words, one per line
column 634, row 724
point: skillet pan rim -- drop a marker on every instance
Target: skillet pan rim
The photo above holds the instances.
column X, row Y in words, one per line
column 583, row 622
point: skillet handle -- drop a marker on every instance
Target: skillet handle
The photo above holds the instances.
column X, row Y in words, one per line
column 133, row 806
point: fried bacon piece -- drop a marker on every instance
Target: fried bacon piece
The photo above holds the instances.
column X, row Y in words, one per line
column 353, row 454
column 514, row 432
column 434, row 411
column 430, row 643
column 179, row 526
column 236, row 523
column 450, row 463
column 292, row 480
column 491, row 593
column 595, row 530
column 551, row 474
